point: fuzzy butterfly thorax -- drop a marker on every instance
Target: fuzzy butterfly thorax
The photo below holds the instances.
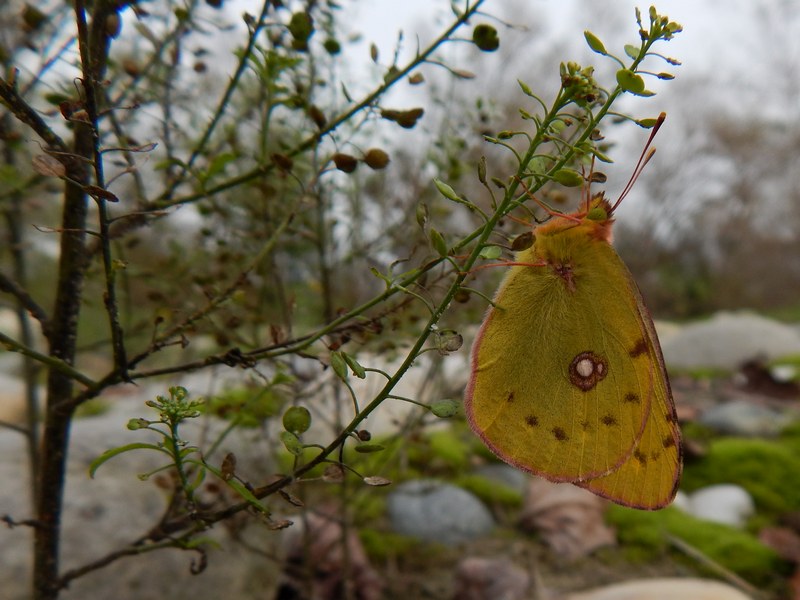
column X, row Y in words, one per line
column 568, row 381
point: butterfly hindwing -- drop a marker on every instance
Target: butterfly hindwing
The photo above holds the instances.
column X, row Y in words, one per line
column 649, row 478
column 562, row 378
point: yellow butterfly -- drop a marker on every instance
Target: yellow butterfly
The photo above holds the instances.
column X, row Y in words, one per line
column 568, row 380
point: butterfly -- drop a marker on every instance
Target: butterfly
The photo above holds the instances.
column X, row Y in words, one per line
column 567, row 376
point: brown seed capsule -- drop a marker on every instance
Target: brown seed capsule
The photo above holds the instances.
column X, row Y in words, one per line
column 377, row 159
column 345, row 162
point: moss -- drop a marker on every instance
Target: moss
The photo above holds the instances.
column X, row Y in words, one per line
column 645, row 536
column 766, row 469
column 490, row 490
column 790, row 437
column 249, row 406
column 383, row 545
column 450, row 448
column 696, row 431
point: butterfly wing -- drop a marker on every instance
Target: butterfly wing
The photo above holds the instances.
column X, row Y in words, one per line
column 562, row 381
column 649, row 478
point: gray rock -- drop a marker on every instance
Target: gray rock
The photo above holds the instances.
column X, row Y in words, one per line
column 727, row 340
column 724, row 503
column 744, row 418
column 505, row 474
column 433, row 511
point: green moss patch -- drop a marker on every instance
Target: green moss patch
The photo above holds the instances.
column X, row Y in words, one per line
column 768, row 470
column 645, row 536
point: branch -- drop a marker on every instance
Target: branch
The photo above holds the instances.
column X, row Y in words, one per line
column 57, row 364
column 37, row 312
column 94, row 45
column 26, row 114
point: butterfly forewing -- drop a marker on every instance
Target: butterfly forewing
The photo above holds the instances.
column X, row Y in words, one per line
column 562, row 380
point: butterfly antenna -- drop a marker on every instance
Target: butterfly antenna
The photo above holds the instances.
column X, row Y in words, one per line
column 644, row 158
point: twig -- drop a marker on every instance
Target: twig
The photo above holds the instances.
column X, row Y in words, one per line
column 714, row 566
column 24, row 298
column 25, row 113
column 50, row 361
column 93, row 47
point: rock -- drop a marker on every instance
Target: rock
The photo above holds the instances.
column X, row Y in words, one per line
column 505, row 474
column 740, row 417
column 723, row 503
column 727, row 340
column 663, row 589
column 491, row 579
column 433, row 511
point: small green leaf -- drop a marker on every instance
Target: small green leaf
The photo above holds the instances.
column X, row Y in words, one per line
column 369, row 448
column 422, row 214
column 438, row 243
column 445, row 408
column 339, row 365
column 217, row 164
column 499, row 183
column 482, row 170
column 594, row 43
column 301, row 26
column 601, row 156
column 109, row 454
column 446, row 191
column 568, row 177
column 630, row 81
column 491, row 252
column 647, row 123
column 525, row 88
column 297, row 419
column 632, row 51
column 354, row 365
column 291, row 442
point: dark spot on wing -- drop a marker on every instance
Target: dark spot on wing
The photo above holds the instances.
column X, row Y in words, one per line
column 631, row 398
column 609, row 420
column 638, row 349
column 532, row 421
column 640, row 456
column 560, row 434
column 510, row 397
column 668, row 441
